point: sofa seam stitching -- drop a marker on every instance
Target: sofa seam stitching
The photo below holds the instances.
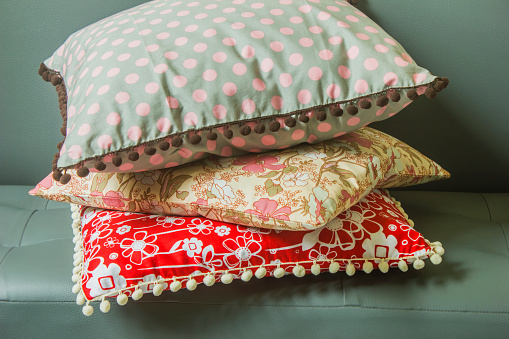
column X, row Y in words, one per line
column 3, row 259
column 25, row 227
column 487, row 205
column 505, row 235
column 292, row 306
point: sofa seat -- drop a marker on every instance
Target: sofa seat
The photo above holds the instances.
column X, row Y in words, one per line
column 466, row 295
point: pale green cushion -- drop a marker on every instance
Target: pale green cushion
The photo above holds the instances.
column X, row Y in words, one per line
column 193, row 69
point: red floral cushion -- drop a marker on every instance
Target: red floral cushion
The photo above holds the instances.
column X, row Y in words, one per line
column 127, row 254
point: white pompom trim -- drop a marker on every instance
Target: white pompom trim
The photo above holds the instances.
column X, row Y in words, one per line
column 435, row 256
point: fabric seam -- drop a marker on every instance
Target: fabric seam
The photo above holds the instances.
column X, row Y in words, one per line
column 487, row 205
column 505, row 235
column 25, row 227
column 285, row 306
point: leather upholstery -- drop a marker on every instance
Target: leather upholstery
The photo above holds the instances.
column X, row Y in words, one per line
column 466, row 295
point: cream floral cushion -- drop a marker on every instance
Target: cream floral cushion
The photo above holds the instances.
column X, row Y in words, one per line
column 299, row 188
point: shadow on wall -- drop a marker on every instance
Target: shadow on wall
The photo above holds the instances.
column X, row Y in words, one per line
column 465, row 128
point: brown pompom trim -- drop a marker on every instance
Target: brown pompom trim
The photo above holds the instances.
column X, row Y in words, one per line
column 164, row 145
column 259, row 128
column 149, row 150
column 194, row 137
column 211, row 135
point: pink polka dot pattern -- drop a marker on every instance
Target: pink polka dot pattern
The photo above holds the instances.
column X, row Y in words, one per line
column 267, row 65
column 277, row 102
column 277, row 46
column 285, row 79
column 185, row 153
column 248, row 52
column 84, row 129
column 229, row 89
column 199, row 95
column 296, row 59
column 316, row 29
column 151, row 87
column 335, row 40
column 382, row 48
column 166, row 67
column 296, row 20
column 156, row 159
column 324, row 127
column 238, row 142
column 353, row 52
column 298, row 134
column 94, row 108
column 179, row 81
column 113, row 119
column 390, row 79
column 209, row 75
column 226, row 151
column 304, row 96
column 191, row 118
column 361, row 86
column 370, row 64
column 239, row 68
column 400, row 62
column 75, row 152
column 419, row 77
column 134, row 133
column 219, row 111
column 172, row 102
column 163, row 124
column 286, row 31
column 325, row 54
column 259, row 85
column 315, row 73
column 268, row 140
column 219, row 57
column 333, row 91
column 105, row 141
column 190, row 63
column 344, row 72
column 306, row 42
column 353, row 121
column 143, row 109
column 126, row 167
column 248, row 106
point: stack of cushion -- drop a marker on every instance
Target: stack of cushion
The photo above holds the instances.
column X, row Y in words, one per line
column 212, row 141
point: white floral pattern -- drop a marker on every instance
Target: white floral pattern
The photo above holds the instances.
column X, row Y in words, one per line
column 192, row 246
column 198, row 225
column 123, row 229
column 105, row 279
column 222, row 230
column 140, row 247
column 152, row 250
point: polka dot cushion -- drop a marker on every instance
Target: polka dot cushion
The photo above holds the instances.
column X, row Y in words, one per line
column 125, row 255
column 300, row 188
column 169, row 82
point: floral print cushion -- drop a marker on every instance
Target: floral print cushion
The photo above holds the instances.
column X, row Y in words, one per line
column 168, row 82
column 299, row 188
column 128, row 254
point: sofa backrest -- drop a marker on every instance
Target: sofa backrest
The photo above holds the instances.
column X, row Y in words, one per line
column 464, row 129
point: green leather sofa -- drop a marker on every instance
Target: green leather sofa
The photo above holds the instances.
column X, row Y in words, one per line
column 464, row 129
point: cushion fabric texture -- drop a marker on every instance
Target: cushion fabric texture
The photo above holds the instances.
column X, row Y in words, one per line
column 302, row 187
column 169, row 82
column 128, row 254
